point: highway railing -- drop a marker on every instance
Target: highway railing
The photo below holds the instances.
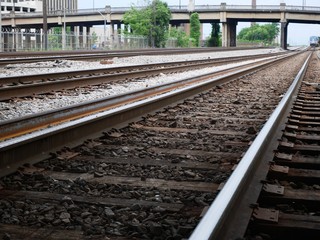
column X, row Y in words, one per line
column 174, row 8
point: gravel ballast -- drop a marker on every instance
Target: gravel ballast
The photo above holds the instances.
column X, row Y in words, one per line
column 24, row 106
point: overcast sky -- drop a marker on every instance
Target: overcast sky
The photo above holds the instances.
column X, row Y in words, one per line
column 298, row 33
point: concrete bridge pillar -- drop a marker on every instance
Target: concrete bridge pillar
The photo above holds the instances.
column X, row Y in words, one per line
column 28, row 38
column 233, row 33
column 73, row 37
column 229, row 33
column 112, row 33
column 19, row 39
column 38, row 39
column 224, row 35
column 81, row 37
column 13, row 40
column 88, row 38
column 119, row 34
column 284, row 34
column 6, row 41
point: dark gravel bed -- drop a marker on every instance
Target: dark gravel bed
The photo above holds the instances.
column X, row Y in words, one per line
column 198, row 141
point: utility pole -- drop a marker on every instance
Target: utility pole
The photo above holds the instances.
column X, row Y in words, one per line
column 64, row 26
column 45, row 24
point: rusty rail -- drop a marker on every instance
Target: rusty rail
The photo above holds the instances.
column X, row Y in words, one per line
column 37, row 145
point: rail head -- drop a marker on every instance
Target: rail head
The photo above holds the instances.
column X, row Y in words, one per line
column 213, row 223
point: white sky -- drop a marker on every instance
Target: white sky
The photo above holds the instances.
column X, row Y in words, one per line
column 298, row 33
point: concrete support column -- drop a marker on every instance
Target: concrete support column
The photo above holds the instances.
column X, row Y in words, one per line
column 126, row 29
column 284, row 34
column 112, row 34
column 224, row 35
column 6, row 41
column 28, row 39
column 38, row 39
column 81, row 37
column 112, row 29
column 119, row 34
column 76, row 36
column 229, row 34
column 19, row 39
column 73, row 38
column 118, row 28
column 88, row 38
column 13, row 40
column 233, row 33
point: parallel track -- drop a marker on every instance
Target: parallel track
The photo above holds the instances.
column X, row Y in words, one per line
column 31, row 57
column 30, row 85
column 289, row 205
column 16, row 127
column 274, row 192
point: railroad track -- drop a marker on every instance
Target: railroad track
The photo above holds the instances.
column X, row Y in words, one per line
column 31, row 57
column 280, row 193
column 288, row 206
column 152, row 179
column 31, row 85
column 28, row 124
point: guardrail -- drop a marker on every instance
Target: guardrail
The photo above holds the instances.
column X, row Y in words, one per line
column 303, row 8
column 174, row 8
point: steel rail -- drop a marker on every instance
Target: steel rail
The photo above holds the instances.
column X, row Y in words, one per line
column 45, row 83
column 216, row 224
column 37, row 145
column 27, row 124
column 122, row 52
column 94, row 55
column 27, row 78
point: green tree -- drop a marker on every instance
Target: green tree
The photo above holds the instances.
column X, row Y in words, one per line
column 263, row 33
column 215, row 37
column 181, row 36
column 195, row 29
column 152, row 22
column 94, row 37
column 138, row 20
column 161, row 18
column 55, row 39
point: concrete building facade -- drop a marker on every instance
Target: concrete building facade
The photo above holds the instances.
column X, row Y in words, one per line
column 56, row 5
column 20, row 6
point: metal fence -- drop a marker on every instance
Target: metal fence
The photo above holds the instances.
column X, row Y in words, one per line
column 21, row 40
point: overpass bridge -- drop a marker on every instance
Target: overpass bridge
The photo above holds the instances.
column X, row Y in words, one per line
column 227, row 15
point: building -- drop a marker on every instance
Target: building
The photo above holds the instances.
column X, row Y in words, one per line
column 13, row 38
column 18, row 6
column 56, row 5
